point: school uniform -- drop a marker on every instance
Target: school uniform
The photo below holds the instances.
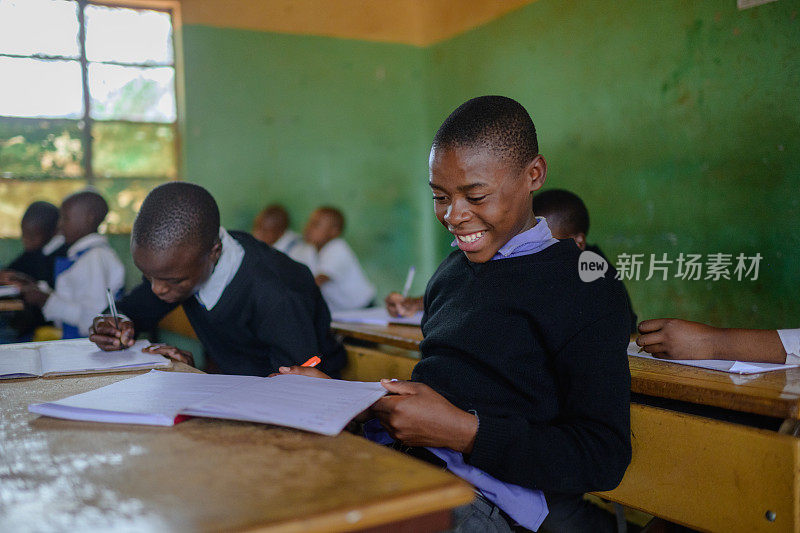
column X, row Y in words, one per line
column 81, row 281
column 790, row 338
column 292, row 244
column 539, row 356
column 38, row 264
column 258, row 310
column 348, row 287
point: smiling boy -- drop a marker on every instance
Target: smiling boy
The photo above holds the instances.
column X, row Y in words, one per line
column 523, row 376
column 252, row 307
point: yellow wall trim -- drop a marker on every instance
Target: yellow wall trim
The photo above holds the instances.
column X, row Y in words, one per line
column 415, row 22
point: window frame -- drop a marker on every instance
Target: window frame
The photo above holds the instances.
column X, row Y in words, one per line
column 86, row 122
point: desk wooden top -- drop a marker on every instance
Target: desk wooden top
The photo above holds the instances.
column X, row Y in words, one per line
column 774, row 393
column 12, row 305
column 201, row 475
column 399, row 336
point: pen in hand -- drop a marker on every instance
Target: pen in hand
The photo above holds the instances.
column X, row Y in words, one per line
column 409, row 280
column 314, row 361
column 113, row 308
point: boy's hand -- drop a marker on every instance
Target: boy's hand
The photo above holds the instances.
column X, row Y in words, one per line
column 107, row 337
column 32, row 294
column 417, row 415
column 672, row 338
column 398, row 305
column 12, row 277
column 172, row 352
column 301, row 371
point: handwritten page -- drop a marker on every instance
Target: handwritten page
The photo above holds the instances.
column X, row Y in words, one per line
column 733, row 367
column 155, row 398
column 313, row 404
column 377, row 316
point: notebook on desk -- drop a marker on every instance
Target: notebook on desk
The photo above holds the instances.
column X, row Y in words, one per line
column 164, row 398
column 78, row 356
column 732, row 367
column 377, row 316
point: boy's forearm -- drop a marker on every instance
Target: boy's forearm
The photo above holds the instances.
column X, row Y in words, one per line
column 761, row 345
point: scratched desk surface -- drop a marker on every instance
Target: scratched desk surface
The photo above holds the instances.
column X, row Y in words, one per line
column 200, row 475
column 775, row 394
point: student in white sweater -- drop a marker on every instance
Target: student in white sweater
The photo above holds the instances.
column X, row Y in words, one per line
column 337, row 272
column 83, row 276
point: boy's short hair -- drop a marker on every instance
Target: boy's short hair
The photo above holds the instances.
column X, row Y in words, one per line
column 497, row 123
column 93, row 205
column 564, row 208
column 336, row 216
column 41, row 215
column 174, row 214
column 276, row 213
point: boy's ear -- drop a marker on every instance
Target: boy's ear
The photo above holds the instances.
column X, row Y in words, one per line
column 580, row 240
column 536, row 173
column 216, row 251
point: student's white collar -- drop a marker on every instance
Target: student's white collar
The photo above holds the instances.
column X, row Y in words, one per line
column 285, row 239
column 227, row 266
column 53, row 244
column 86, row 242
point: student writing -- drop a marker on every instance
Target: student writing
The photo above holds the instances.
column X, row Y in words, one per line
column 672, row 338
column 83, row 276
column 252, row 307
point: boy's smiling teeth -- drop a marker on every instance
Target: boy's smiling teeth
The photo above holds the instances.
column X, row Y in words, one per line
column 471, row 237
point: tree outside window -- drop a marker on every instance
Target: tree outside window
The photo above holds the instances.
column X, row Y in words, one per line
column 87, row 97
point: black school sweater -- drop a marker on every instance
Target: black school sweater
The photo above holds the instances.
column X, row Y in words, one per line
column 271, row 314
column 540, row 356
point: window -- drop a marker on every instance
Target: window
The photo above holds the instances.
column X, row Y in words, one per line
column 87, row 97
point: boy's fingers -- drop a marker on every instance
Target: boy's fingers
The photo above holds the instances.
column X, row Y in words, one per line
column 384, row 406
column 650, row 339
column 400, row 387
column 654, row 349
column 646, row 326
column 105, row 343
column 303, row 371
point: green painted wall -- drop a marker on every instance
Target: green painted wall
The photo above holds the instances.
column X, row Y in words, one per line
column 678, row 122
column 307, row 121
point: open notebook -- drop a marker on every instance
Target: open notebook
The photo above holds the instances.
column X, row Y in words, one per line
column 164, row 398
column 79, row 356
column 732, row 367
column 378, row 316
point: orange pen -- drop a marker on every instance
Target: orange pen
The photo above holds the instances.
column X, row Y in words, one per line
column 314, row 361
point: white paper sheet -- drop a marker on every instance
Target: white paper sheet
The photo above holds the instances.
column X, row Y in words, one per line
column 313, row 404
column 155, row 398
column 377, row 316
column 85, row 356
column 733, row 367
column 7, row 291
column 20, row 363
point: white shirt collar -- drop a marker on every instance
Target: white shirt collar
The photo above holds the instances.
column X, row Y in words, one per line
column 53, row 244
column 86, row 242
column 226, row 268
column 286, row 239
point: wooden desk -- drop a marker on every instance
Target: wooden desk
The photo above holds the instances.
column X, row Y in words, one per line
column 12, row 304
column 202, row 475
column 701, row 472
